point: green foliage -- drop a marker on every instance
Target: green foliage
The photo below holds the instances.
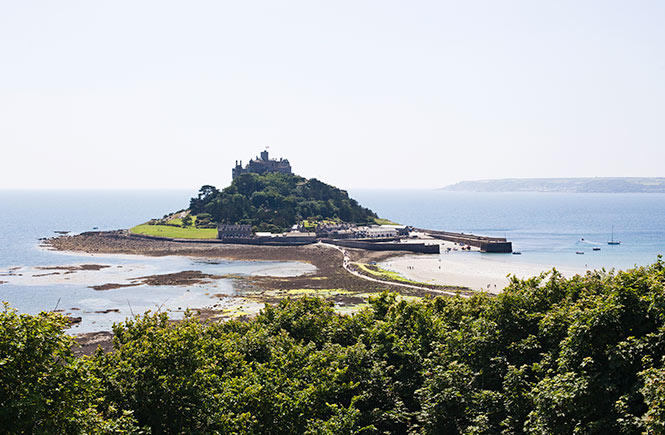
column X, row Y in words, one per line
column 276, row 202
column 43, row 388
column 186, row 221
column 548, row 356
column 175, row 232
column 204, row 220
column 380, row 221
column 654, row 396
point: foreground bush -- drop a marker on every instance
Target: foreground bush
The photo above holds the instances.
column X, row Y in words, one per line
column 548, row 356
column 43, row 388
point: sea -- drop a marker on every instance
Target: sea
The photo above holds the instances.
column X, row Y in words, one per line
column 549, row 229
column 34, row 279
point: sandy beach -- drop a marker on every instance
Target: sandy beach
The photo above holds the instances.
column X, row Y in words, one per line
column 477, row 271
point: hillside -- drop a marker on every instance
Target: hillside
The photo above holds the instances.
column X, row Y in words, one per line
column 568, row 185
column 276, row 202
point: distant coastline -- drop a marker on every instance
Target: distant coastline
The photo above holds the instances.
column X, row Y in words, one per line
column 564, row 185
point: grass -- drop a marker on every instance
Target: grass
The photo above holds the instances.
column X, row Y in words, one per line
column 175, row 232
column 312, row 224
column 387, row 275
column 175, row 221
column 380, row 221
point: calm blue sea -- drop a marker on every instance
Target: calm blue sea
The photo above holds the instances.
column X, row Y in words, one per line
column 547, row 228
column 27, row 216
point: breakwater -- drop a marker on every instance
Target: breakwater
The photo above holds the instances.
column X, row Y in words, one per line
column 486, row 244
column 421, row 248
column 269, row 241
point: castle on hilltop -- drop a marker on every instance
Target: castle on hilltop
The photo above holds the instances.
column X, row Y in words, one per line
column 262, row 165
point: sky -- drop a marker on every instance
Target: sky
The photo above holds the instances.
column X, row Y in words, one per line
column 359, row 94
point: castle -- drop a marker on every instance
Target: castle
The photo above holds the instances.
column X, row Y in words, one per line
column 262, row 165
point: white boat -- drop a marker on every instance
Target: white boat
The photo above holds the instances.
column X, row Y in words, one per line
column 612, row 241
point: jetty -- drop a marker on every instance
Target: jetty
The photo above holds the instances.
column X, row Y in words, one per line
column 485, row 244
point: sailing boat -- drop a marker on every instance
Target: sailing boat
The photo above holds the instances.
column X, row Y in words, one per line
column 612, row 241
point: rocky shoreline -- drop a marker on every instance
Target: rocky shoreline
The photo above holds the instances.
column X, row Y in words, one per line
column 327, row 260
column 329, row 279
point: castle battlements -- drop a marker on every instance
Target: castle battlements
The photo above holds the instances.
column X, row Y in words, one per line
column 261, row 165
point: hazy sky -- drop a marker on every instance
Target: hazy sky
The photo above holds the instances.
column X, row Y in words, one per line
column 146, row 94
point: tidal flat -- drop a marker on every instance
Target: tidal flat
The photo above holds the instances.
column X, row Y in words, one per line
column 100, row 278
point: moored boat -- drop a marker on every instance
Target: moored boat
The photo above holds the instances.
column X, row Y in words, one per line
column 612, row 241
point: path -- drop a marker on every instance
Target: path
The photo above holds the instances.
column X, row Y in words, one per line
column 346, row 263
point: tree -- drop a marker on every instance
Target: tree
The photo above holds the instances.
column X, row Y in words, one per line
column 277, row 201
column 43, row 387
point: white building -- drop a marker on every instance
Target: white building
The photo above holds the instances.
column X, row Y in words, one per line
column 381, row 232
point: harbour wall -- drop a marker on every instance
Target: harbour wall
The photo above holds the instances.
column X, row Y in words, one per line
column 269, row 241
column 385, row 246
column 486, row 244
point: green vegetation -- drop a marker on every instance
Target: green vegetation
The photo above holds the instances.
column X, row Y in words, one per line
column 312, row 224
column 380, row 221
column 175, row 232
column 550, row 355
column 44, row 389
column 275, row 202
column 381, row 273
column 176, row 222
column 389, row 275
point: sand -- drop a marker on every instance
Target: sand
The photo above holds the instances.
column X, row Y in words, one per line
column 483, row 272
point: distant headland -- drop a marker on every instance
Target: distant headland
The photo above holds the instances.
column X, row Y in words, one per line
column 564, row 185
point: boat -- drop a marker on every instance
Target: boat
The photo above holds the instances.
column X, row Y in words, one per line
column 579, row 252
column 612, row 241
column 596, row 248
column 517, row 253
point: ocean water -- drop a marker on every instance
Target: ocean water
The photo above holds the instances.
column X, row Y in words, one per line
column 30, row 286
column 547, row 228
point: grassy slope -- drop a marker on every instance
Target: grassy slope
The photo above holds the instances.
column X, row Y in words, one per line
column 175, row 232
column 380, row 221
column 387, row 275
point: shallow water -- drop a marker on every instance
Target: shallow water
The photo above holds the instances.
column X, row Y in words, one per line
column 28, row 216
column 31, row 289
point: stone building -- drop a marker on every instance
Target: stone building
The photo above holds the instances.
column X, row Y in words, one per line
column 261, row 165
column 381, row 232
column 226, row 231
